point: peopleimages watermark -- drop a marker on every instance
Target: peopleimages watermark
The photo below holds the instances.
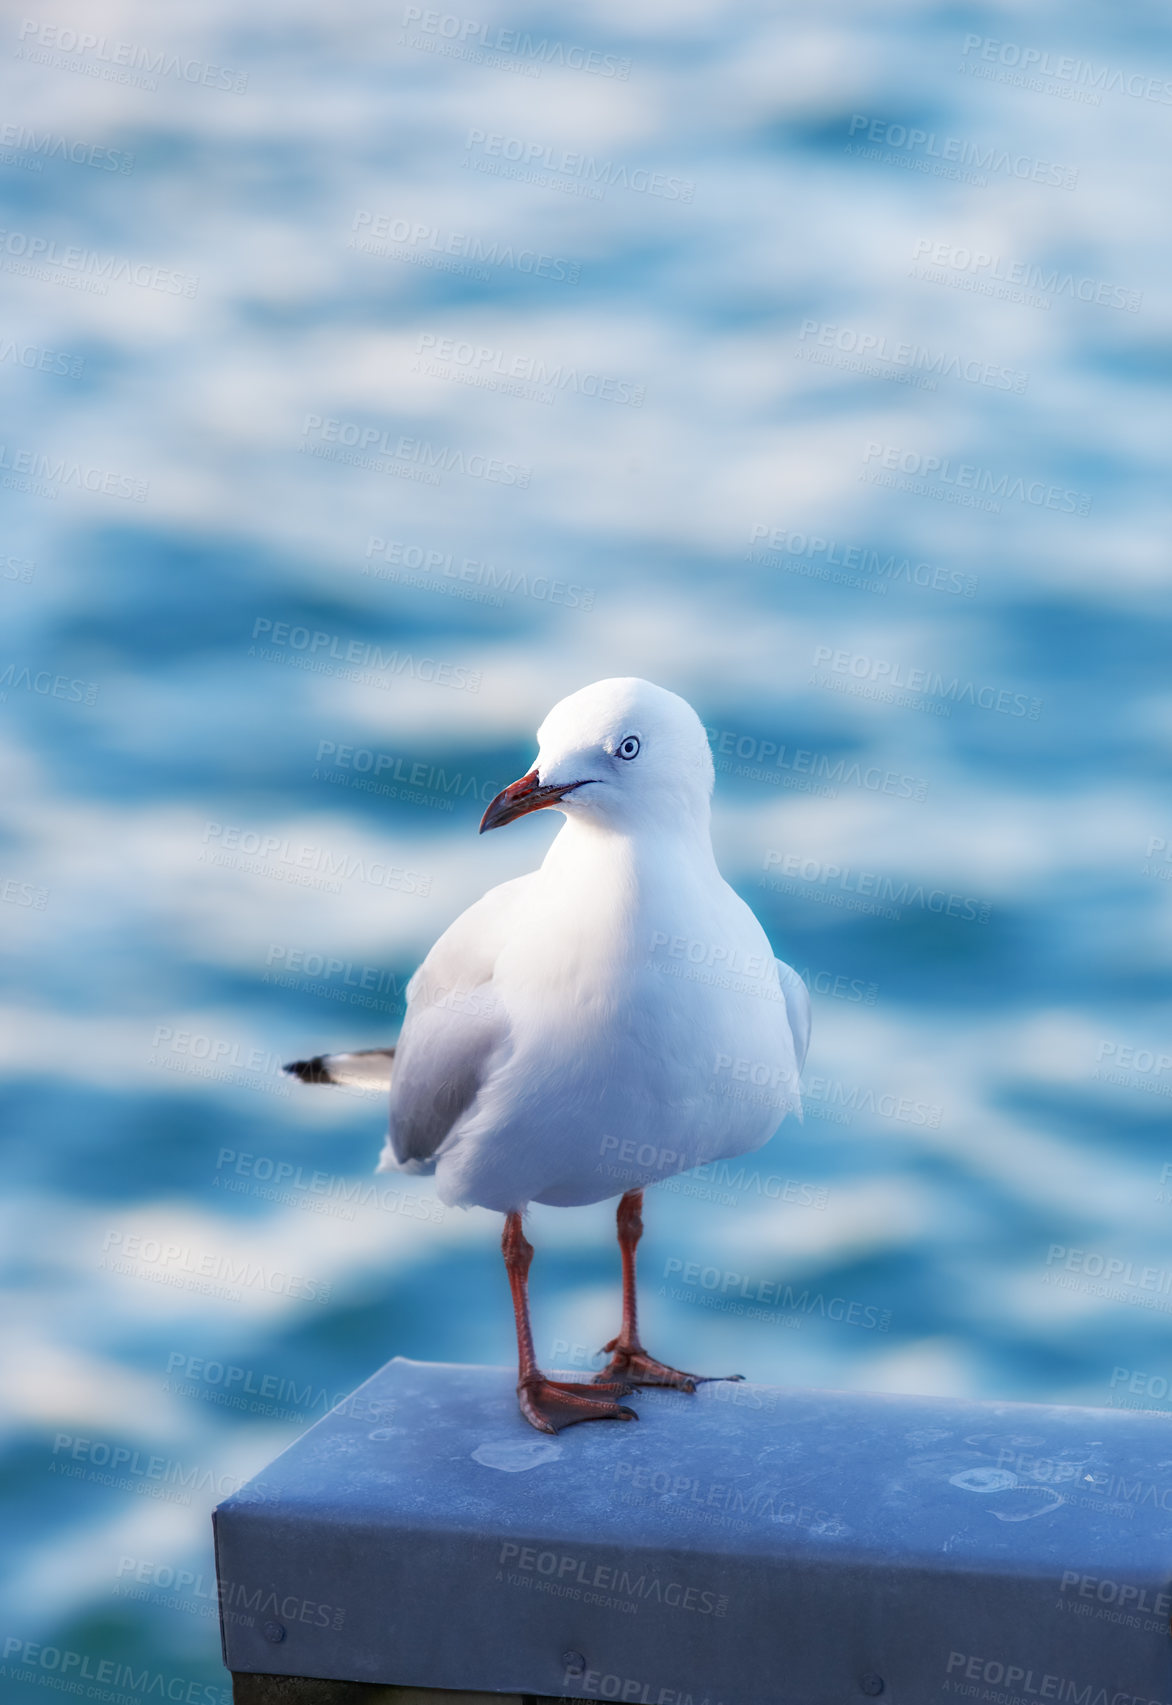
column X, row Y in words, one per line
column 1081, row 1482
column 950, row 156
column 418, row 782
column 332, row 1194
column 30, row 1662
column 526, row 376
column 1154, row 1386
column 218, row 1059
column 819, row 558
column 30, row 256
column 501, row 48
column 46, row 684
column 721, row 1181
column 1069, row 76
column 866, row 890
column 303, row 863
column 31, row 148
column 275, row 1396
column 608, row 1684
column 1027, row 282
column 39, row 360
column 624, row 1586
column 379, row 450
column 720, row 1504
column 114, row 61
column 127, row 1469
column 717, row 1181
column 410, row 240
column 884, row 678
column 41, row 474
column 359, row 660
column 1096, row 1265
column 1158, row 858
column 806, row 771
column 147, row 1581
column 210, row 1272
column 473, row 579
column 819, row 339
column 14, row 892
column 694, row 959
column 563, row 169
column 1109, row 1276
column 735, row 1289
column 748, row 973
column 346, row 981
column 964, row 483
column 17, row 568
column 1032, row 1682
column 838, row 1100
column 1120, row 1602
column 1129, row 1067
column 839, row 986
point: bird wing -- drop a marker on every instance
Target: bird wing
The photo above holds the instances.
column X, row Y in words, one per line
column 455, row 1027
column 797, row 1009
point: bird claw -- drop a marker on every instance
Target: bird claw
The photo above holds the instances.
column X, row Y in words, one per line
column 635, row 1365
column 551, row 1404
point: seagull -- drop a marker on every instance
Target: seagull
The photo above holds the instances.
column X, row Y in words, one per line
column 607, row 1021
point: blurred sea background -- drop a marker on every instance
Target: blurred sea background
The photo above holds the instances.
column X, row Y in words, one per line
column 373, row 378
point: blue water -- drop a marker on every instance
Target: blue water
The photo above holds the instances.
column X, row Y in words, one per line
column 809, row 365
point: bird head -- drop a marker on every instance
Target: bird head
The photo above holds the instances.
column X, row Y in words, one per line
column 623, row 752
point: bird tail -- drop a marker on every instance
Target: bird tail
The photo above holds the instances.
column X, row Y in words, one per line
column 369, row 1068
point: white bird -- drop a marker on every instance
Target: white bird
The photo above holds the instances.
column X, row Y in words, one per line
column 609, row 1020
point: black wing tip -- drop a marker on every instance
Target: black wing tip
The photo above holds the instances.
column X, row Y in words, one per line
column 309, row 1071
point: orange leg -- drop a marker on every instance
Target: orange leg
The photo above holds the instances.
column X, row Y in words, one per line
column 629, row 1359
column 550, row 1404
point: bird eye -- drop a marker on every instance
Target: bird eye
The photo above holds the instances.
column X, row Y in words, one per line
column 629, row 747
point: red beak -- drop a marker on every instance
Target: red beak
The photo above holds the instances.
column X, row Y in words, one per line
column 521, row 797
